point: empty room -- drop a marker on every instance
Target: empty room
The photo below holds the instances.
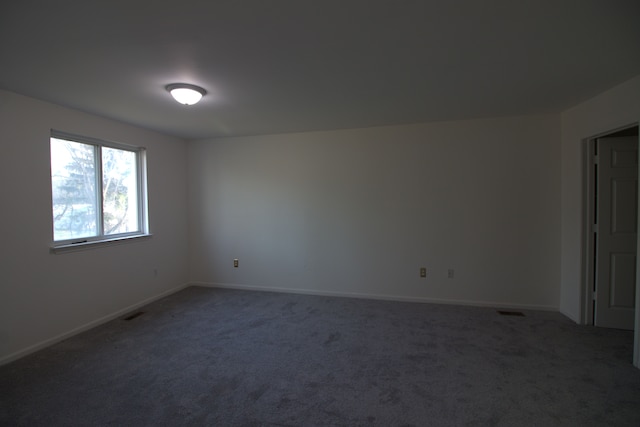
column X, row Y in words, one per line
column 315, row 213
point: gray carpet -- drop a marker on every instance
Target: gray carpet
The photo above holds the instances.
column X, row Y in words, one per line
column 205, row 357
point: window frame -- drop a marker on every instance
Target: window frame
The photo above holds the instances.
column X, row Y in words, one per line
column 79, row 243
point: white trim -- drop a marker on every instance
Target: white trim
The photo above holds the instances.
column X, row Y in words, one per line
column 58, row 134
column 143, row 192
column 588, row 231
column 569, row 316
column 94, row 244
column 98, row 185
column 399, row 298
column 51, row 341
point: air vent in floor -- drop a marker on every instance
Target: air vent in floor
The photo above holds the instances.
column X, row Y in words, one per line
column 134, row 315
column 510, row 313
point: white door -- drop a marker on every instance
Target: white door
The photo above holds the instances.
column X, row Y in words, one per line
column 616, row 219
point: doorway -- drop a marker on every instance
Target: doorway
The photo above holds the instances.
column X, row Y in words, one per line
column 610, row 218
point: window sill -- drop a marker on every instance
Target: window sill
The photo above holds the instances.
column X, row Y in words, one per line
column 84, row 246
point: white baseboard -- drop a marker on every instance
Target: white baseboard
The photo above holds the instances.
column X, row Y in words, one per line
column 46, row 343
column 378, row 297
column 570, row 317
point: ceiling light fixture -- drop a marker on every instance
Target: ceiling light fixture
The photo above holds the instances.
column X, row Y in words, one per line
column 185, row 93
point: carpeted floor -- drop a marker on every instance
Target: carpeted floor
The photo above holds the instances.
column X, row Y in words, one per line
column 213, row 357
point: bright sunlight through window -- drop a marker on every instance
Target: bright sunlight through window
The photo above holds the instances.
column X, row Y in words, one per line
column 97, row 188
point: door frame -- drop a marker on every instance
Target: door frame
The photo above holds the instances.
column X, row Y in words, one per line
column 588, row 243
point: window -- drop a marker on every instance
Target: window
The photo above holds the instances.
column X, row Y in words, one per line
column 98, row 190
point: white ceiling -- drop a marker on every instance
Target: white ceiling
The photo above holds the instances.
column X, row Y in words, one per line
column 297, row 65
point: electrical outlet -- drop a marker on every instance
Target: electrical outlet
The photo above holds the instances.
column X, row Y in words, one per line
column 423, row 272
column 235, row 263
column 450, row 274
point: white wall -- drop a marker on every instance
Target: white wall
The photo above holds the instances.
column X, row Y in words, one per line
column 353, row 211
column 359, row 211
column 45, row 296
column 615, row 108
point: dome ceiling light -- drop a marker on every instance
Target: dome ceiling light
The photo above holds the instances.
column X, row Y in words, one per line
column 185, row 93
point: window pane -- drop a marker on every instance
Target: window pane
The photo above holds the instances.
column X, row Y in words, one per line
column 73, row 180
column 119, row 191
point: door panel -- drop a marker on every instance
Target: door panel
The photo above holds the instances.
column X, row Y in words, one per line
column 617, row 190
column 624, row 193
column 623, row 266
